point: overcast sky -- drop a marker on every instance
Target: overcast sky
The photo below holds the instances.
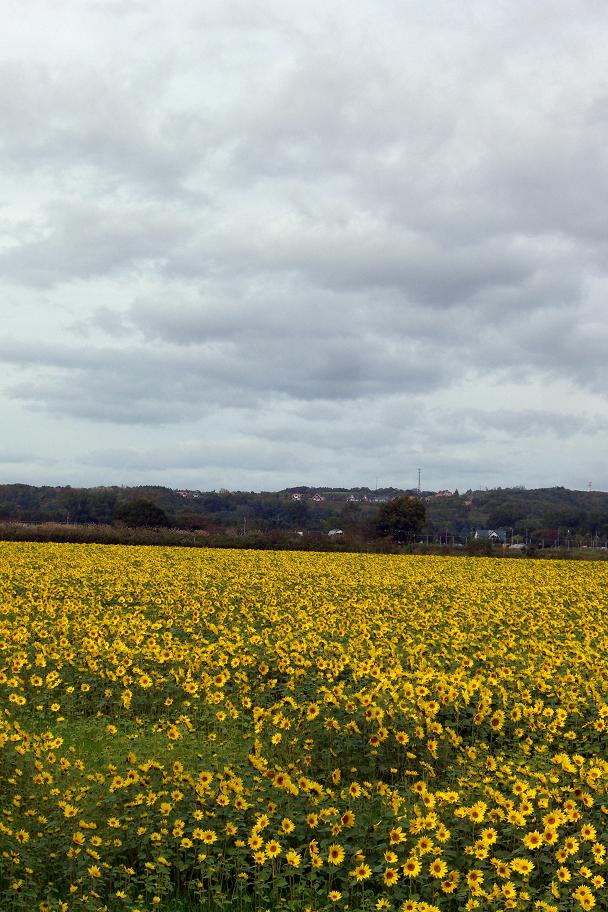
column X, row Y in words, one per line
column 259, row 243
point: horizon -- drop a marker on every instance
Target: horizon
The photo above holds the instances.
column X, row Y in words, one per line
column 319, row 487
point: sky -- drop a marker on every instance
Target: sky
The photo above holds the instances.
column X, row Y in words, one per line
column 250, row 244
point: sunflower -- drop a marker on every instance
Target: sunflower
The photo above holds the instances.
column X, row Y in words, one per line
column 396, row 835
column 571, row 845
column 509, row 890
column 523, row 866
column 533, row 840
column 335, row 854
column 293, row 858
column 272, row 848
column 475, row 879
column 390, row 877
column 438, row 868
column 361, row 872
column 411, row 866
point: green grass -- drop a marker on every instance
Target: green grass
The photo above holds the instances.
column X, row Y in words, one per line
column 98, row 748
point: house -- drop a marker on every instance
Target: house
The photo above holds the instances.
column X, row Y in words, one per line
column 493, row 535
column 317, row 498
column 296, row 496
column 335, row 532
column 443, row 494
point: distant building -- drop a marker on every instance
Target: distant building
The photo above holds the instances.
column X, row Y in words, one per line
column 335, row 532
column 443, row 494
column 317, row 498
column 493, row 535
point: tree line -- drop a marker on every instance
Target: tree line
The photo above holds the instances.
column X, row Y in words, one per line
column 541, row 515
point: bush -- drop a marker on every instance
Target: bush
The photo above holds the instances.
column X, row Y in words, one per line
column 141, row 513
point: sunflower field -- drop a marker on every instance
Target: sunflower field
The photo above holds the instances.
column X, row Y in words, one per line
column 186, row 729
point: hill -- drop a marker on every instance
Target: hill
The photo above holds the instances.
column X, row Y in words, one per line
column 543, row 515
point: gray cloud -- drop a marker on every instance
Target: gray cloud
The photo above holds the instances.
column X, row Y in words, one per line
column 169, row 385
column 241, row 452
column 19, row 457
column 86, row 240
column 345, row 238
column 465, row 426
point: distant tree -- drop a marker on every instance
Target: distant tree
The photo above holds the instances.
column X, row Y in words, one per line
column 505, row 515
column 351, row 517
column 7, row 510
column 570, row 517
column 77, row 505
column 140, row 512
column 401, row 518
column 190, row 519
column 81, row 505
column 102, row 503
column 597, row 522
column 298, row 513
column 216, row 503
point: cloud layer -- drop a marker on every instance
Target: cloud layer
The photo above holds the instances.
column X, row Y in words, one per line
column 258, row 244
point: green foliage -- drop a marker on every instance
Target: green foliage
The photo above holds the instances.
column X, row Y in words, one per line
column 141, row 512
column 480, row 547
column 545, row 517
column 400, row 518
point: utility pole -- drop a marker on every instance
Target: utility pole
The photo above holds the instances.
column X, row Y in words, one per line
column 419, row 489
